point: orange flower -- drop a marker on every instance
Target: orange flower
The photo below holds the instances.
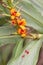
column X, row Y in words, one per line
column 22, row 32
column 12, row 17
column 13, row 12
column 13, row 22
column 23, row 27
column 21, row 22
column 18, row 14
column 23, row 35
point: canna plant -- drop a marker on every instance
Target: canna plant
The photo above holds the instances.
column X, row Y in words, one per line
column 21, row 31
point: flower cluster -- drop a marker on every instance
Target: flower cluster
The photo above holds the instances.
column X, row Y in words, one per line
column 16, row 19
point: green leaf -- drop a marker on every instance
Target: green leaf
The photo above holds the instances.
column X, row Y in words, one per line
column 32, row 57
column 3, row 20
column 7, row 30
column 38, row 5
column 41, row 2
column 6, row 35
column 18, row 49
column 6, row 55
column 9, row 47
column 8, row 40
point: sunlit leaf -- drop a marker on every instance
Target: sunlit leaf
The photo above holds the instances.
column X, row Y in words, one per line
column 18, row 49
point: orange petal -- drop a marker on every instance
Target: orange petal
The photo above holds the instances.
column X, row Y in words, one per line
column 12, row 17
column 18, row 14
column 23, row 35
column 12, row 10
column 13, row 22
column 14, row 13
column 23, row 22
column 21, row 31
column 23, row 27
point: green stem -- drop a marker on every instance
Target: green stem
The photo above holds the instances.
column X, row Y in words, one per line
column 6, row 6
column 5, row 15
